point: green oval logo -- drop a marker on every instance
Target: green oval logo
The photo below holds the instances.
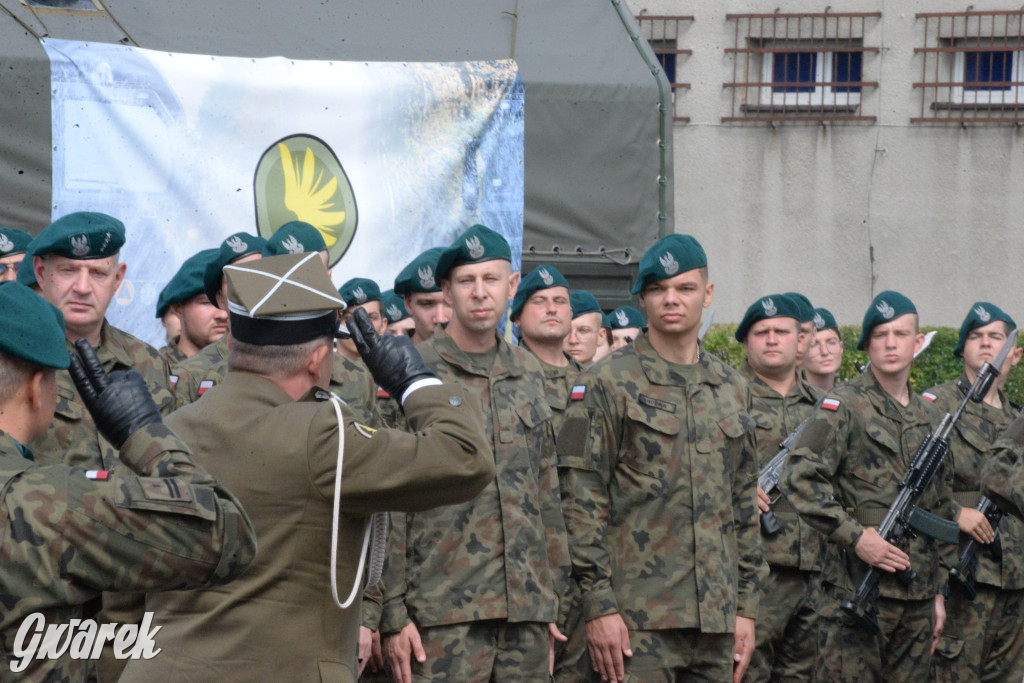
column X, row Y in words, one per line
column 300, row 178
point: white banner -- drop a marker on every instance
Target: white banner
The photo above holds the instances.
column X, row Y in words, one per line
column 385, row 158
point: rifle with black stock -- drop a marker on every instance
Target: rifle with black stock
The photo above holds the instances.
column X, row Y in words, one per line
column 903, row 515
column 768, row 480
column 961, row 577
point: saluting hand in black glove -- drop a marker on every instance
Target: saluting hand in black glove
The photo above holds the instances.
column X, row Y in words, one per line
column 120, row 402
column 392, row 360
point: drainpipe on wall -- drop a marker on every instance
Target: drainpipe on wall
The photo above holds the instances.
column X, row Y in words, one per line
column 663, row 115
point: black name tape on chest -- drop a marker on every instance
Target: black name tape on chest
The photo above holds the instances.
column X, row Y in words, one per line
column 657, row 403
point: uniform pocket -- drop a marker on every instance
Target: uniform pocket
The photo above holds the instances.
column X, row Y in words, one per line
column 649, row 439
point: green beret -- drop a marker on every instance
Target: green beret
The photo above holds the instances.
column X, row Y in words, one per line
column 667, row 258
column 771, row 306
column 27, row 270
column 804, row 306
column 282, row 300
column 476, row 245
column 187, row 282
column 393, row 306
column 584, row 302
column 824, row 320
column 13, row 241
column 421, row 274
column 294, row 237
column 81, row 235
column 606, row 322
column 982, row 313
column 542, row 277
column 626, row 316
column 32, row 328
column 233, row 248
column 885, row 308
column 358, row 291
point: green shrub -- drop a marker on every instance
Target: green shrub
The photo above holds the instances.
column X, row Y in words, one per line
column 935, row 366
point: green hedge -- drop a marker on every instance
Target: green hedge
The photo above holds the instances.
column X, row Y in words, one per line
column 935, row 366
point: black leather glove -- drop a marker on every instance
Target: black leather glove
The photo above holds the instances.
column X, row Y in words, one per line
column 120, row 403
column 392, row 360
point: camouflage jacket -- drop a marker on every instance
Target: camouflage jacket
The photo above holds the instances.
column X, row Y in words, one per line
column 846, row 469
column 798, row 544
column 503, row 554
column 72, row 438
column 172, row 355
column 64, row 537
column 977, row 429
column 558, row 384
column 350, row 381
column 1002, row 470
column 658, row 465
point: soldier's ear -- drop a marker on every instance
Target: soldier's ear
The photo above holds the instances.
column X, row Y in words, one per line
column 513, row 285
column 709, row 294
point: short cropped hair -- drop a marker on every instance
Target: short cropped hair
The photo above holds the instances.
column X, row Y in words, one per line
column 14, row 372
column 277, row 361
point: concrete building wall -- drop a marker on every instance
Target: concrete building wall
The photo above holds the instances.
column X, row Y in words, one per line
column 842, row 211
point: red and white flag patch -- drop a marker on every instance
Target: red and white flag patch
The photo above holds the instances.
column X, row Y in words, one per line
column 930, row 397
column 98, row 475
column 830, row 404
column 578, row 392
column 204, row 386
column 383, row 394
column 174, row 380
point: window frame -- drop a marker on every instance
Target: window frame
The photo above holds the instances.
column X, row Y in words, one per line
column 822, row 93
column 1013, row 95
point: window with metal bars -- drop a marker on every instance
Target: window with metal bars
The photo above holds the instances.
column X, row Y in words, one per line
column 662, row 33
column 972, row 67
column 799, row 67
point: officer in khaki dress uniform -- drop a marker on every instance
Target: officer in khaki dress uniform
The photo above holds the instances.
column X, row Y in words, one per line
column 188, row 377
column 200, row 321
column 658, row 468
column 983, row 639
column 473, row 591
column 779, row 401
column 842, row 475
column 269, row 432
column 157, row 521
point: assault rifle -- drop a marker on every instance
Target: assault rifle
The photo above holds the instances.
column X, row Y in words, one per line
column 961, row 576
column 903, row 515
column 768, row 480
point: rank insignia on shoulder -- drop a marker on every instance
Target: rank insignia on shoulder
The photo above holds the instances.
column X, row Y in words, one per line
column 382, row 394
column 204, row 386
column 98, row 475
column 173, row 379
column 322, row 395
column 929, row 396
column 830, row 404
column 578, row 392
column 363, row 430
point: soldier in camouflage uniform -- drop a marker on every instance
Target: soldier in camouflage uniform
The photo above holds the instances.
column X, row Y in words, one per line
column 842, row 475
column 543, row 313
column 158, row 521
column 779, row 401
column 589, row 338
column 825, row 353
column 626, row 323
column 658, row 467
column 806, row 318
column 418, row 283
column 393, row 308
column 472, row 591
column 200, row 321
column 983, row 639
column 13, row 250
column 76, row 264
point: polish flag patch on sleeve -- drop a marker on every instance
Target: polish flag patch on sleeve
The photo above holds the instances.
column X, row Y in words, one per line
column 830, row 404
column 930, row 397
column 578, row 392
column 98, row 475
column 383, row 394
column 174, row 380
column 204, row 386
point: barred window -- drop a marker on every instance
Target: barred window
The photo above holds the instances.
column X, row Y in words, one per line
column 799, row 67
column 662, row 33
column 972, row 67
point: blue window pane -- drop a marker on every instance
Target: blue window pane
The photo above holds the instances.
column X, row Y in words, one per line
column 668, row 64
column 846, row 69
column 793, row 67
column 988, row 67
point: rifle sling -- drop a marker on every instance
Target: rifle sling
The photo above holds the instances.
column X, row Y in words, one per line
column 967, row 499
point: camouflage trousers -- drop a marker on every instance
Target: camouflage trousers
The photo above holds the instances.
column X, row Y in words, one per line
column 900, row 652
column 678, row 656
column 493, row 650
column 983, row 639
column 787, row 628
column 572, row 661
